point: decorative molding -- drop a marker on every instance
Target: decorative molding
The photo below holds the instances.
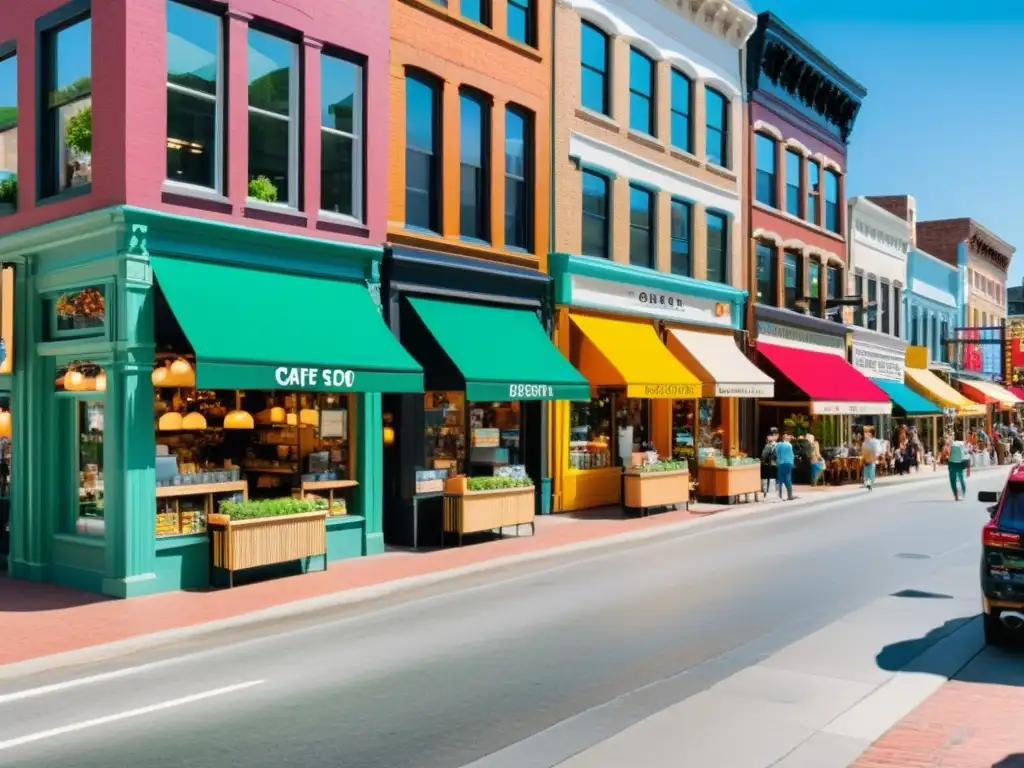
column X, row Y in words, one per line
column 795, row 144
column 827, row 162
column 760, row 126
column 237, row 15
column 769, row 237
column 137, row 236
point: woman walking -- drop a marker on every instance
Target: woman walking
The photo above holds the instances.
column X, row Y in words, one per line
column 957, row 464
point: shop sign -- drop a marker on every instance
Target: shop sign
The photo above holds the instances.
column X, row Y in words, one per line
column 657, row 391
column 595, row 293
column 1013, row 347
column 315, row 378
column 799, row 337
column 877, row 363
column 840, row 408
column 766, row 390
column 531, row 392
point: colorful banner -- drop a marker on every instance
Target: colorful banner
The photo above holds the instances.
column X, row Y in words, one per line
column 970, row 354
column 1013, row 349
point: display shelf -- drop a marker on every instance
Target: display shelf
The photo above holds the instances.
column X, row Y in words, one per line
column 174, row 519
column 331, row 486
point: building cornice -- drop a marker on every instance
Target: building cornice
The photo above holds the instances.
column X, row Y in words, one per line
column 986, row 244
column 780, row 61
column 727, row 20
column 863, row 206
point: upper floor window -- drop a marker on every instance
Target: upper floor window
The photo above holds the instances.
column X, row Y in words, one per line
column 8, row 128
column 872, row 304
column 794, row 167
column 943, row 346
column 767, row 274
column 814, row 286
column 858, row 291
column 718, row 247
column 792, row 274
column 341, row 130
column 594, row 68
column 915, row 331
column 764, row 149
column 66, row 128
column 717, row 110
column 813, row 190
column 681, row 104
column 833, row 276
column 422, row 153
column 195, row 99
column 641, row 227
column 519, row 21
column 273, row 119
column 476, row 10
column 641, row 93
column 897, row 310
column 474, row 186
column 595, row 214
column 681, row 236
column 518, row 178
column 885, row 318
column 832, row 222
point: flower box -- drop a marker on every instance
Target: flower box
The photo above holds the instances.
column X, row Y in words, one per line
column 645, row 490
column 469, row 511
column 717, row 482
column 240, row 544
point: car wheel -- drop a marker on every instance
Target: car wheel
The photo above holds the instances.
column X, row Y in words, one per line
column 995, row 632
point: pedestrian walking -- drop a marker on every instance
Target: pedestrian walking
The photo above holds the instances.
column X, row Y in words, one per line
column 784, row 458
column 957, row 464
column 870, row 451
column 768, row 468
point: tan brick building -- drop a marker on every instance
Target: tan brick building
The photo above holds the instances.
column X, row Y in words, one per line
column 690, row 67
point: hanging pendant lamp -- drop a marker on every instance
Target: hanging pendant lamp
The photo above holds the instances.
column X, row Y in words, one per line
column 194, row 420
column 170, row 422
column 237, row 418
column 101, row 381
column 5, row 423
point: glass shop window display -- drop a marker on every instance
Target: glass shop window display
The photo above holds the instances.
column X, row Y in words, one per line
column 494, row 441
column 608, row 430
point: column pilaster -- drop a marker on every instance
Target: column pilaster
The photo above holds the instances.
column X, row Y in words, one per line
column 238, row 108
column 369, row 440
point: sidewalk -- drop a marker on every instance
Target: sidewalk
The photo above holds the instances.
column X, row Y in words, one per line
column 973, row 721
column 42, row 620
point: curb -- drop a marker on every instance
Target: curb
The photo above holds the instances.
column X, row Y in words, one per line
column 805, row 504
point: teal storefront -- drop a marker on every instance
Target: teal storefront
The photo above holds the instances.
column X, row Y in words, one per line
column 163, row 364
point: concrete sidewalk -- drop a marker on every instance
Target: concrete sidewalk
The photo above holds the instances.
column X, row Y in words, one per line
column 46, row 626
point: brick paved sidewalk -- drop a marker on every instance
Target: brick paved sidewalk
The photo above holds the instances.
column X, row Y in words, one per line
column 40, row 620
column 974, row 721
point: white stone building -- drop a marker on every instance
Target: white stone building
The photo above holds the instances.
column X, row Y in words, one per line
column 878, row 243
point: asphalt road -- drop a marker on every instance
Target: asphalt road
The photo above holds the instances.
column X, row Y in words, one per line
column 442, row 677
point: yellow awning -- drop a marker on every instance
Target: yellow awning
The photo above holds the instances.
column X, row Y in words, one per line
column 930, row 386
column 625, row 353
column 992, row 391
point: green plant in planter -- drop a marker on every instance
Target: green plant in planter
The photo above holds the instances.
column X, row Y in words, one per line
column 253, row 509
column 79, row 131
column 9, row 190
column 664, row 466
column 262, row 188
column 497, row 483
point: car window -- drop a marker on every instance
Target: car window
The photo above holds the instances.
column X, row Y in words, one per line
column 1011, row 516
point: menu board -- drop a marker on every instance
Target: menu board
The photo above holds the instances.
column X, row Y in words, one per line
column 333, row 424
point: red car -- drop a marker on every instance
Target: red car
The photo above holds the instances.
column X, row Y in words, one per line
column 1002, row 561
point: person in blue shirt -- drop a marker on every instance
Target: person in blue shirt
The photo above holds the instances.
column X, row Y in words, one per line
column 784, row 464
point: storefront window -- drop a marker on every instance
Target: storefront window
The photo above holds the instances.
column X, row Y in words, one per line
column 697, row 430
column 684, row 430
column 216, row 446
column 494, row 437
column 590, row 433
column 90, row 467
column 445, row 433
column 608, row 430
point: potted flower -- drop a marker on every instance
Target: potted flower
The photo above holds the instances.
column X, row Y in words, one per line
column 249, row 534
column 261, row 188
column 8, row 194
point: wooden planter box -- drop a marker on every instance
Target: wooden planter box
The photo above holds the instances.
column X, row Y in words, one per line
column 478, row 511
column 645, row 490
column 239, row 544
column 729, row 482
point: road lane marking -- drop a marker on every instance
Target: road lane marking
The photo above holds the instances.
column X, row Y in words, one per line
column 102, row 677
column 65, row 729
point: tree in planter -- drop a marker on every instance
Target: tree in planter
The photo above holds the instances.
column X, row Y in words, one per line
column 79, row 132
column 262, row 188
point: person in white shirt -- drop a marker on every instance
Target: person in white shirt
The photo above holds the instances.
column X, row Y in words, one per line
column 870, row 452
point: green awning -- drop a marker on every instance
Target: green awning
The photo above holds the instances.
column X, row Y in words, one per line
column 503, row 354
column 906, row 399
column 252, row 329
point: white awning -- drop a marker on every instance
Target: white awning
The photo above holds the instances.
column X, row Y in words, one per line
column 722, row 368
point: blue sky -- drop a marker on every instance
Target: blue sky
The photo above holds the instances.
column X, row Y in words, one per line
column 944, row 116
